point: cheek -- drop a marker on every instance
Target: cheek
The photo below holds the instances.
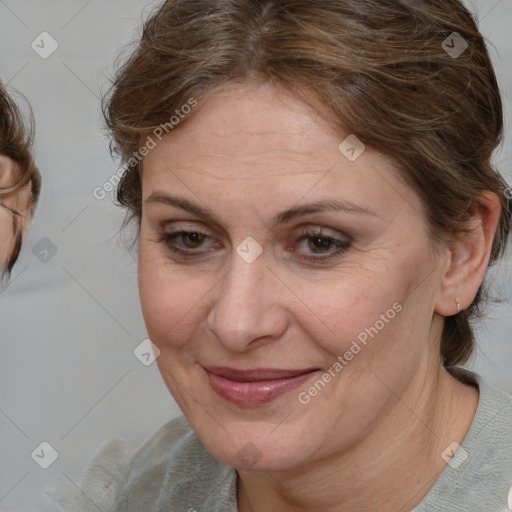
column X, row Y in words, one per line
column 170, row 298
column 369, row 318
column 349, row 305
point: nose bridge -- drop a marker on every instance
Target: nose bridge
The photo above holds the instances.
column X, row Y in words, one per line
column 244, row 309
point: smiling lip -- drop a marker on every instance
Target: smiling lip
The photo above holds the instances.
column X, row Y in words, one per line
column 255, row 387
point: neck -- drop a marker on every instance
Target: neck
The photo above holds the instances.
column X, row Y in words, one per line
column 391, row 469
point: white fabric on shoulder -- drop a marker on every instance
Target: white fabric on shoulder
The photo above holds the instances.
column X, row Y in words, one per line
column 102, row 482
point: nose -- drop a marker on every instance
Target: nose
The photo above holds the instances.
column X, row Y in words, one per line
column 246, row 309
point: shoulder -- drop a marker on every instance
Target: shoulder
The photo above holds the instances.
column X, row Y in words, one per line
column 479, row 476
column 171, row 470
column 174, row 471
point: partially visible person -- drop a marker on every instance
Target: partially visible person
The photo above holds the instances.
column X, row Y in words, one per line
column 20, row 180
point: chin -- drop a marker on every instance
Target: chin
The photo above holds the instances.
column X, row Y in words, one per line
column 254, row 446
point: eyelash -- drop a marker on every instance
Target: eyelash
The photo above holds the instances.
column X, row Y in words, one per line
column 308, row 233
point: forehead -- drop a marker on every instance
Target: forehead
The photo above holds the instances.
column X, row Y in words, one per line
column 252, row 125
column 254, row 141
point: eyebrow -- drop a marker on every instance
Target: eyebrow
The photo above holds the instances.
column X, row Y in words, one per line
column 340, row 205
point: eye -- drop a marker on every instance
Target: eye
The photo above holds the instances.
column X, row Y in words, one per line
column 313, row 245
column 320, row 245
column 184, row 242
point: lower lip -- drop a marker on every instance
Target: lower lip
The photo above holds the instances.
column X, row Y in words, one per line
column 252, row 394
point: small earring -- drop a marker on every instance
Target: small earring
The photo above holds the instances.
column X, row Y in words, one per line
column 458, row 303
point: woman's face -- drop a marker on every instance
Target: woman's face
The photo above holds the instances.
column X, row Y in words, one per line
column 299, row 302
column 11, row 224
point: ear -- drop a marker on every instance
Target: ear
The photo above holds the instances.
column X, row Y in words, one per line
column 469, row 257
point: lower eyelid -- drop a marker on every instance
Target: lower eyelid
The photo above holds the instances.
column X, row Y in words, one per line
column 338, row 249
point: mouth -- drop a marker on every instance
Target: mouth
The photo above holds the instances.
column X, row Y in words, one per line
column 255, row 387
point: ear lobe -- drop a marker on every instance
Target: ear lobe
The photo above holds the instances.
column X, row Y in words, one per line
column 469, row 257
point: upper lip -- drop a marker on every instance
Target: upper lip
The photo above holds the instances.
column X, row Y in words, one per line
column 256, row 374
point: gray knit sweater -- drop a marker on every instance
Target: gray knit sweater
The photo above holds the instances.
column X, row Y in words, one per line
column 173, row 472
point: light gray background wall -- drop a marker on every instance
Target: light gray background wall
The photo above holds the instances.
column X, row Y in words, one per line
column 69, row 321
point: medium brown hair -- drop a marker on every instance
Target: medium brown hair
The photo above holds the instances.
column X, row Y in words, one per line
column 379, row 66
column 16, row 138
